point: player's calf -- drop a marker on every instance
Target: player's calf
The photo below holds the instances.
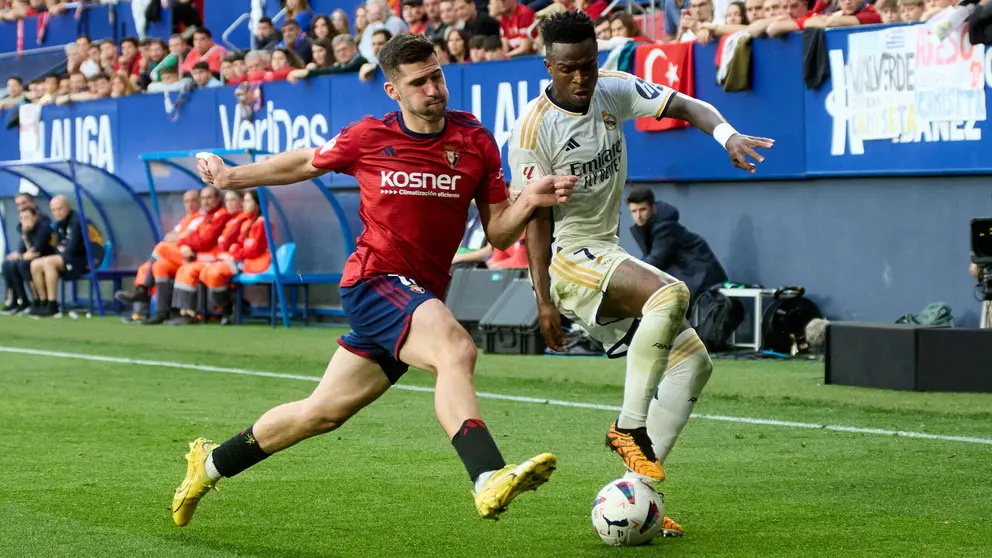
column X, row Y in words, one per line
column 437, row 343
column 661, row 318
column 689, row 369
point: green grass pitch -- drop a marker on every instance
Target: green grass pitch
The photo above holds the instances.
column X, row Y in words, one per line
column 90, row 452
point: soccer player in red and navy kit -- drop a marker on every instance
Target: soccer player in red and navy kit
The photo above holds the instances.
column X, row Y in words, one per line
column 418, row 170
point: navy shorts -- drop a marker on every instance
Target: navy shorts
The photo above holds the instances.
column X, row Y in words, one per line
column 379, row 311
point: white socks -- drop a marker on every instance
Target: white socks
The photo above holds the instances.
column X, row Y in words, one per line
column 688, row 371
column 647, row 357
column 481, row 480
column 211, row 469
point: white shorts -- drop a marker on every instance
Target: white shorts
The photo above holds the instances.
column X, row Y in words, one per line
column 580, row 274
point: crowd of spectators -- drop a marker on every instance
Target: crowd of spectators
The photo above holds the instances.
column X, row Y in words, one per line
column 302, row 44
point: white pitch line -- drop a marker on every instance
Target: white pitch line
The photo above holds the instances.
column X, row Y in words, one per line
column 496, row 396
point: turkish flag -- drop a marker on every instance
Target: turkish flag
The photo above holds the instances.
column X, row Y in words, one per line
column 668, row 64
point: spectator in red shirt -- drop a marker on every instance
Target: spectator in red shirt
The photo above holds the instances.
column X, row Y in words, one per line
column 837, row 13
column 130, row 61
column 256, row 64
column 283, row 62
column 515, row 21
column 777, row 11
column 413, row 15
column 19, row 9
column 514, row 257
column 205, row 49
column 624, row 25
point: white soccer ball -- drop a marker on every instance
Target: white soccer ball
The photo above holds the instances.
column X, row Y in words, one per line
column 628, row 512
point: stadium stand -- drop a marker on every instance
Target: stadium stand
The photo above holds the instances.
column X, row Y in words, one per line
column 92, row 117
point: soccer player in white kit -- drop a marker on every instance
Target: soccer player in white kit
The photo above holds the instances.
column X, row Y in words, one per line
column 575, row 128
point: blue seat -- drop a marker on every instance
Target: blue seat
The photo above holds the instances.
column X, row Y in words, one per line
column 108, row 256
column 103, row 272
column 286, row 258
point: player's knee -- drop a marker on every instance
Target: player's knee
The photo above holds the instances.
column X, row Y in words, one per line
column 318, row 419
column 702, row 370
column 670, row 301
column 701, row 366
column 459, row 354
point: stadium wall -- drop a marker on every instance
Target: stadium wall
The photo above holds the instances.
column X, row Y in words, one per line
column 866, row 249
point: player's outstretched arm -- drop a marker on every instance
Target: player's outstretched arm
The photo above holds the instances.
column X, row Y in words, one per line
column 285, row 168
column 539, row 260
column 504, row 222
column 705, row 117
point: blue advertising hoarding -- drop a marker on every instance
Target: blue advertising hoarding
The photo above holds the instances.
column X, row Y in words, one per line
column 857, row 123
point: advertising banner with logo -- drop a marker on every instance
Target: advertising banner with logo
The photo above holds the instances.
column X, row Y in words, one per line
column 895, row 104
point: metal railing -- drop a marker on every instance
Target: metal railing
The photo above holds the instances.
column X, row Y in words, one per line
column 233, row 27
column 33, row 51
column 251, row 32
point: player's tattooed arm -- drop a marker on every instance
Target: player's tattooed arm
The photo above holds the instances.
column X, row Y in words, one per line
column 705, row 117
column 538, row 260
column 285, row 168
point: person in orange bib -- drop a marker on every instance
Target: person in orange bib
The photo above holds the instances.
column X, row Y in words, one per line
column 201, row 242
column 250, row 254
column 188, row 275
column 144, row 284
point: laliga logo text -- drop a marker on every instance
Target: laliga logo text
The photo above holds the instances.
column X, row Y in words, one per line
column 87, row 139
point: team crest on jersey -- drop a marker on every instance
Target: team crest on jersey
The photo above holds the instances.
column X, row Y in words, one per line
column 609, row 120
column 451, row 156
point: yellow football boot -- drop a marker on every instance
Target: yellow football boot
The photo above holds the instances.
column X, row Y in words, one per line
column 195, row 485
column 509, row 482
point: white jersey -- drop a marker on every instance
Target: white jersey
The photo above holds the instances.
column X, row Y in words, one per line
column 548, row 139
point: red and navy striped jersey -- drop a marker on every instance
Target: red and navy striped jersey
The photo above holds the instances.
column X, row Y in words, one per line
column 416, row 190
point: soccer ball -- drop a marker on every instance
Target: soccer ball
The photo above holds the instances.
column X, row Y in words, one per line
column 628, row 512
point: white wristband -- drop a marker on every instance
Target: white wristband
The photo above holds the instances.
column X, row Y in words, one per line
column 723, row 132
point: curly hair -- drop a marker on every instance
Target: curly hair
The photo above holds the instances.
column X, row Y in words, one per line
column 568, row 28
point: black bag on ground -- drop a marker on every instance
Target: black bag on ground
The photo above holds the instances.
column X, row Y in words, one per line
column 719, row 317
column 784, row 323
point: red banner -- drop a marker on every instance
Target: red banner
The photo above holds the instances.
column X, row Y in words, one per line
column 668, row 64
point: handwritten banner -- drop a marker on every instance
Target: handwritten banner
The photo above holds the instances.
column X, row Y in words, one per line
column 901, row 80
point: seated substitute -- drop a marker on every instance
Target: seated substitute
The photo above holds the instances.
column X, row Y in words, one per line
column 68, row 261
column 670, row 247
column 37, row 240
